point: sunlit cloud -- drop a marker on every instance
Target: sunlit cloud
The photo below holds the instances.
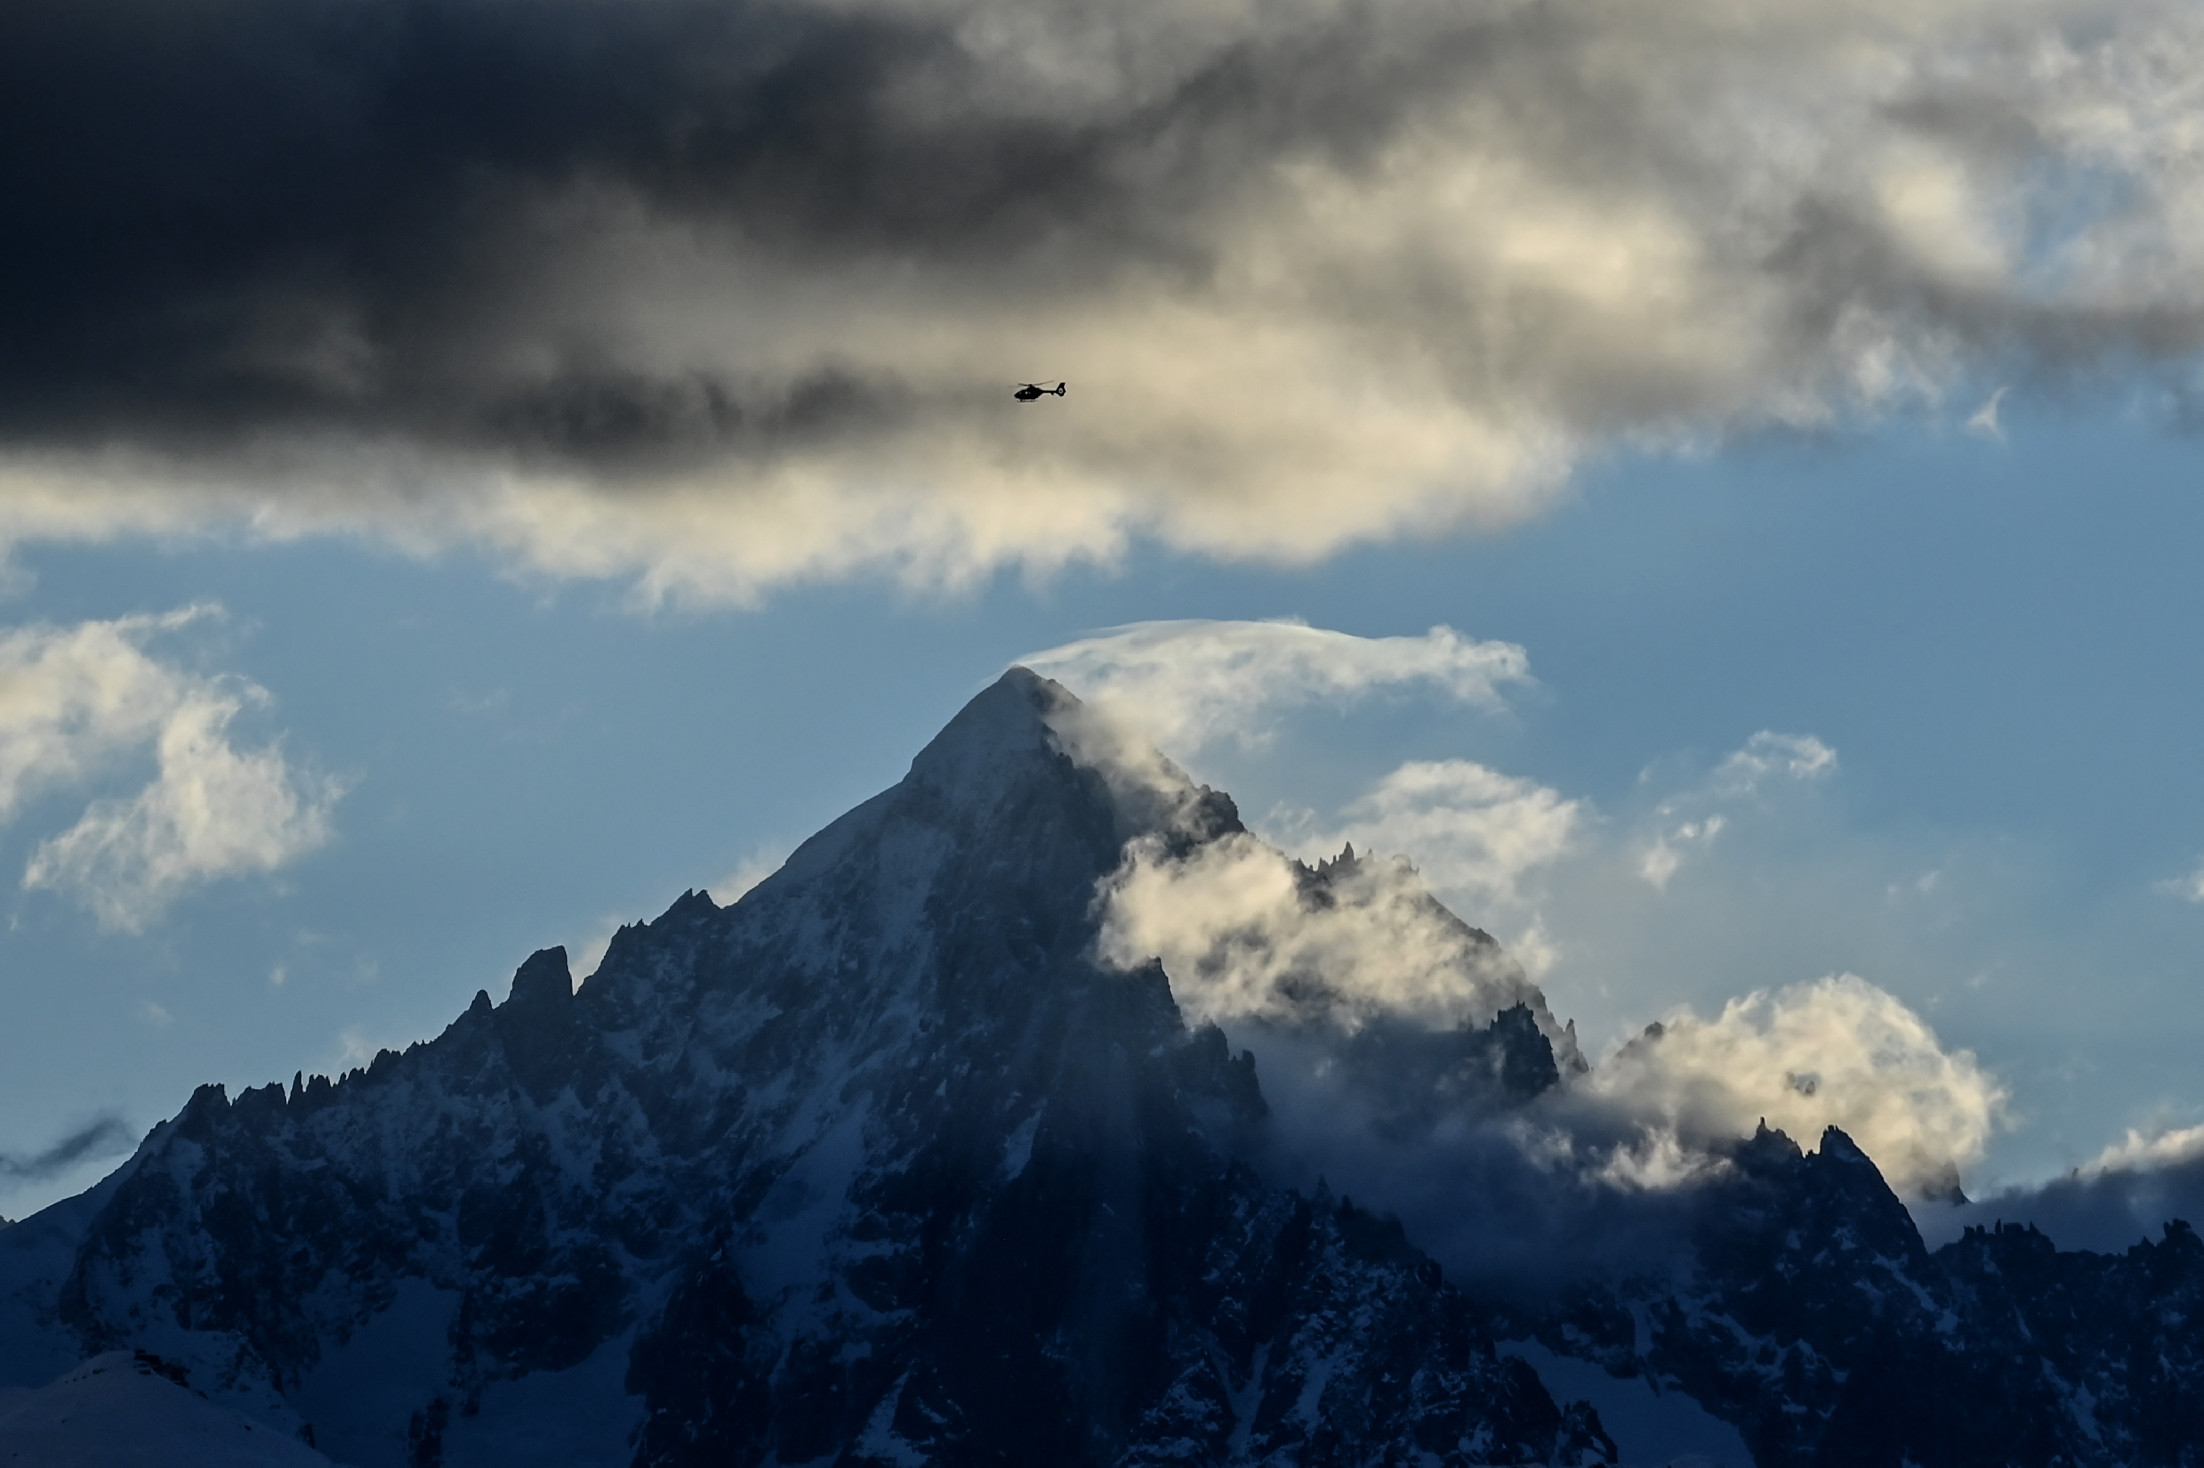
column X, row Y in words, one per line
column 1835, row 1052
column 1245, row 932
column 2161, row 1149
column 1248, row 936
column 213, row 811
column 74, row 701
column 1186, row 684
column 1468, row 828
column 1301, row 950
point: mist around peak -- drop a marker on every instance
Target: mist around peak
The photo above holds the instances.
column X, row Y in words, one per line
column 1410, row 1060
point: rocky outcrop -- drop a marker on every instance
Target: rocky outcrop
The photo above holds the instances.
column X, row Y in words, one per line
column 1808, row 1312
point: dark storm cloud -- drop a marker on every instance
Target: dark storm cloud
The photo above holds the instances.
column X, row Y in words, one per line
column 103, row 1136
column 242, row 213
column 457, row 269
column 233, row 215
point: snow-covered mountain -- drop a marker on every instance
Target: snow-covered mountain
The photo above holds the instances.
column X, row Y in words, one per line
column 893, row 1162
column 126, row 1409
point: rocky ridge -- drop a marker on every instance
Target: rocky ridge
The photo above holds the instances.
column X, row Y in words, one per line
column 880, row 1166
column 875, row 1166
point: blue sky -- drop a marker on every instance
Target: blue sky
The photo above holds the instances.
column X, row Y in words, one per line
column 1995, row 637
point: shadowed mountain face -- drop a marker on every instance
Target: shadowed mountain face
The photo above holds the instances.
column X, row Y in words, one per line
column 876, row 1166
column 1806, row 1311
column 882, row 1166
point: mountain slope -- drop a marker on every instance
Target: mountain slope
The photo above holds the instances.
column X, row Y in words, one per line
column 878, row 1165
column 131, row 1410
column 1806, row 1311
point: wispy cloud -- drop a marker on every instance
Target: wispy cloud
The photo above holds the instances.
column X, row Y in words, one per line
column 2127, row 1192
column 2139, row 1150
column 1468, row 828
column 212, row 812
column 747, row 873
column 738, row 299
column 1186, row 684
column 103, row 1136
column 2189, row 887
column 1767, row 753
column 1984, row 422
column 74, row 700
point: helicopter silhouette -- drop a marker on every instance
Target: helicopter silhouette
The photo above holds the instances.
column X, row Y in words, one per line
column 1032, row 390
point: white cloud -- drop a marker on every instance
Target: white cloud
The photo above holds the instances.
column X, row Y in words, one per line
column 1185, row 684
column 74, row 700
column 1834, row 1052
column 2137, row 1151
column 1666, row 853
column 1685, row 824
column 1794, row 756
column 1659, row 865
column 1467, row 828
column 1984, row 421
column 212, row 812
column 2189, row 888
column 1695, row 888
column 747, row 873
column 1245, row 932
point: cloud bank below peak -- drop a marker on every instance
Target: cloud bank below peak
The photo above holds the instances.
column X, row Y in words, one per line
column 723, row 296
column 1292, row 952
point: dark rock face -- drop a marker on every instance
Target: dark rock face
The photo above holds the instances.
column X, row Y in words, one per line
column 1812, row 1317
column 876, row 1165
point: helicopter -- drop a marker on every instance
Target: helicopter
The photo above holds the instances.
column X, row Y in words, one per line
column 1027, row 392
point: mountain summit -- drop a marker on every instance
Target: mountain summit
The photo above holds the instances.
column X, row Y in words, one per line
column 878, row 1165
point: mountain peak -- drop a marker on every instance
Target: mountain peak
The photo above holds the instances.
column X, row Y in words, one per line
column 1005, row 724
column 543, row 979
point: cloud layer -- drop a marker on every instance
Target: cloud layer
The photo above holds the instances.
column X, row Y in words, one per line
column 721, row 295
column 75, row 701
column 2128, row 1192
column 1300, row 958
column 1185, row 684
